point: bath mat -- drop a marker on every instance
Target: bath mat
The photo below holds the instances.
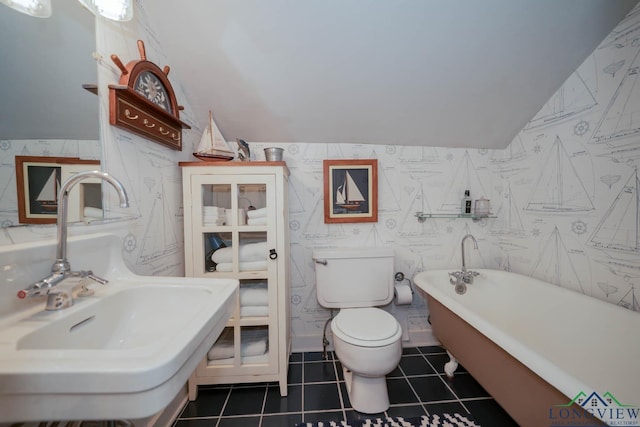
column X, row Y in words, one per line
column 434, row 420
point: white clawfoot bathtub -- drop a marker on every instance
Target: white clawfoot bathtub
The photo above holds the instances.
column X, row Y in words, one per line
column 535, row 346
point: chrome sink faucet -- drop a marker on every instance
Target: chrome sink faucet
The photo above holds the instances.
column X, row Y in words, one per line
column 464, row 277
column 59, row 298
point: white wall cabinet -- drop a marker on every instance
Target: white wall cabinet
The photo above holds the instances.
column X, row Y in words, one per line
column 244, row 208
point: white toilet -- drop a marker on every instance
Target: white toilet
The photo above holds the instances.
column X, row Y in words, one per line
column 367, row 340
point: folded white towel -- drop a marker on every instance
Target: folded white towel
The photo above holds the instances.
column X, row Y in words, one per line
column 257, row 221
column 253, row 342
column 257, row 213
column 213, row 210
column 244, row 266
column 223, row 347
column 247, row 253
column 213, row 215
column 254, row 311
column 253, row 296
column 222, row 255
column 213, row 221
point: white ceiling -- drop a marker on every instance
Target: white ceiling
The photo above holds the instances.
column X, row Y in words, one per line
column 412, row 72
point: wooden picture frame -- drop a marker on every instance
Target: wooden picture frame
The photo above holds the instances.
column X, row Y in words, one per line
column 350, row 190
column 38, row 180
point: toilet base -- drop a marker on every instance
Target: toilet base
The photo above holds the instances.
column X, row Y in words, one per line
column 367, row 395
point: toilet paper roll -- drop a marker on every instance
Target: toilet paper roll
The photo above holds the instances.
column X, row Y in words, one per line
column 402, row 294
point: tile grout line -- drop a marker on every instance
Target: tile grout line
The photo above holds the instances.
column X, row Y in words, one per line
column 303, row 387
column 415, row 393
column 261, row 419
column 264, row 404
column 458, row 399
column 224, row 405
column 335, row 372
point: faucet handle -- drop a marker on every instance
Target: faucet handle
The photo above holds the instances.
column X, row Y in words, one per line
column 95, row 278
column 468, row 276
column 89, row 275
column 456, row 277
column 23, row 293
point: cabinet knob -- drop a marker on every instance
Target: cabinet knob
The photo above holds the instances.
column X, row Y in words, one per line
column 273, row 254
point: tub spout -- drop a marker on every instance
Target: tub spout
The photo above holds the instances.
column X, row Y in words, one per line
column 475, row 246
column 464, row 277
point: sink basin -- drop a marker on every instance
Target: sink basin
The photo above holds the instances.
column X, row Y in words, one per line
column 128, row 319
column 123, row 353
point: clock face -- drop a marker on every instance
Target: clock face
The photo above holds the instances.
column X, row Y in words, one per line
column 151, row 87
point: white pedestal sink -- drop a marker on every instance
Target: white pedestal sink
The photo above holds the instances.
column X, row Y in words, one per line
column 122, row 353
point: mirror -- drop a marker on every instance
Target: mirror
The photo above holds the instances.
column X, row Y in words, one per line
column 44, row 110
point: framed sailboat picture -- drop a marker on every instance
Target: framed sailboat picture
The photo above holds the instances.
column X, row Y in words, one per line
column 38, row 180
column 350, row 190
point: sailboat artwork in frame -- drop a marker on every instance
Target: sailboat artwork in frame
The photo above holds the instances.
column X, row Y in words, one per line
column 38, row 180
column 350, row 190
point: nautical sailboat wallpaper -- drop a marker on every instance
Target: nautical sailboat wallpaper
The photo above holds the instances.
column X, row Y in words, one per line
column 565, row 192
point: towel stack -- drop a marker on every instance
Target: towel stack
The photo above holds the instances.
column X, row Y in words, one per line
column 252, row 257
column 213, row 215
column 254, row 299
column 257, row 217
column 254, row 342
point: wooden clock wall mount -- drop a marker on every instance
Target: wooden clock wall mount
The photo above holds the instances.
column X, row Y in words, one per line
column 144, row 102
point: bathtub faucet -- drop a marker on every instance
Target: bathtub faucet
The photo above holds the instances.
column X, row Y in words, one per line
column 464, row 277
column 475, row 246
column 60, row 297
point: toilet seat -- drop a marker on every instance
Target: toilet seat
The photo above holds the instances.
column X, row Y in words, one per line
column 366, row 327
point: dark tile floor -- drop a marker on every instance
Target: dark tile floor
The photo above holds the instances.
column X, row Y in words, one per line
column 317, row 392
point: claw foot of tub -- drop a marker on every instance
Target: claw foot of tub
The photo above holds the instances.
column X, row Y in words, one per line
column 451, row 366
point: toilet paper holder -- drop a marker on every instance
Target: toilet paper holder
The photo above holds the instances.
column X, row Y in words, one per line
column 399, row 277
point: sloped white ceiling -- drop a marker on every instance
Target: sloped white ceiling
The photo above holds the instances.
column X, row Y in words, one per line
column 410, row 72
column 414, row 72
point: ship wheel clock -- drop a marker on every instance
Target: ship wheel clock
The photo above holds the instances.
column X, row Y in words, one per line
column 144, row 102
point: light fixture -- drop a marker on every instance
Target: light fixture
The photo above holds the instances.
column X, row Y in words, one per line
column 37, row 8
column 117, row 10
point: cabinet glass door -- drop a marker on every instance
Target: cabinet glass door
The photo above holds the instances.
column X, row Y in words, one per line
column 232, row 219
column 234, row 222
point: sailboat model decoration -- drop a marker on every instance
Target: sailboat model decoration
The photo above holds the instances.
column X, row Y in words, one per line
column 212, row 147
column 350, row 191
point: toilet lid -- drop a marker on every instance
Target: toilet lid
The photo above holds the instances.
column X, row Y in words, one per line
column 366, row 327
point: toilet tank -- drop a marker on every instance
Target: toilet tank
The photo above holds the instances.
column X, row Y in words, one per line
column 354, row 277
